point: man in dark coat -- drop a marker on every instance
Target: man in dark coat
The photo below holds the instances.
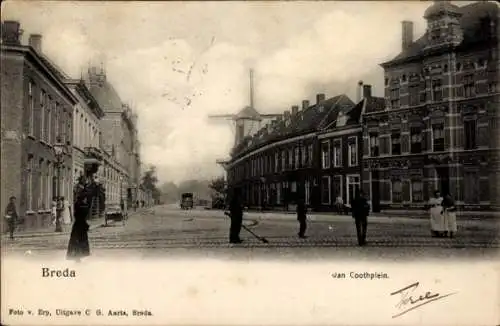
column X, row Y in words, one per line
column 302, row 216
column 11, row 216
column 360, row 210
column 236, row 212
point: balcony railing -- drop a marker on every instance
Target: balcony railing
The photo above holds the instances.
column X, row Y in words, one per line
column 93, row 155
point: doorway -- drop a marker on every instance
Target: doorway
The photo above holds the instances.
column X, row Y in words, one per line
column 375, row 191
column 443, row 175
column 353, row 185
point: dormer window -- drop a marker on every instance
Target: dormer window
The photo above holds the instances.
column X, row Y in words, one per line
column 386, row 81
column 341, row 119
column 458, row 66
column 403, row 78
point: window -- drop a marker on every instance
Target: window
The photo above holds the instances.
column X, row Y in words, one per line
column 56, row 122
column 283, row 160
column 396, row 143
column 417, row 191
column 307, row 193
column 31, row 109
column 297, row 157
column 325, row 154
column 414, row 94
column 29, row 184
column 310, row 153
column 337, row 187
column 325, row 190
column 492, row 87
column 42, row 115
column 416, row 140
column 471, row 187
column 352, row 184
column 470, row 134
column 353, row 151
column 469, row 86
column 303, row 155
column 397, row 191
column 50, row 138
column 276, row 161
column 374, row 145
column 395, row 98
column 290, row 158
column 337, row 153
column 437, row 90
column 40, row 187
column 438, row 137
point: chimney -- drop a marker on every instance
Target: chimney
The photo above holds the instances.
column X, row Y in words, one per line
column 407, row 35
column 367, row 91
column 35, row 41
column 286, row 115
column 359, row 91
column 320, row 98
column 11, row 32
column 305, row 104
column 295, row 110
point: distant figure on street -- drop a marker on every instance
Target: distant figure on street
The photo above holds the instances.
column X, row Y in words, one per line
column 53, row 210
column 360, row 211
column 78, row 246
column 66, row 211
column 436, row 215
column 236, row 212
column 302, row 217
column 11, row 216
column 339, row 204
column 450, row 216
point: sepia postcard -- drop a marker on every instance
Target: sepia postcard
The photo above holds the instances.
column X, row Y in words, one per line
column 250, row 163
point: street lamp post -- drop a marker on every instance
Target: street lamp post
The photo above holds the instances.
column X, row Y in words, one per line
column 59, row 151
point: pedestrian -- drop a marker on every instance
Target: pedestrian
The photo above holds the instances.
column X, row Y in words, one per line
column 302, row 217
column 236, row 213
column 78, row 246
column 53, row 210
column 11, row 216
column 436, row 215
column 66, row 211
column 339, row 204
column 360, row 211
column 449, row 216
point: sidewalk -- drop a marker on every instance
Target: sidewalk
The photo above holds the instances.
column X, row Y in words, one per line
column 49, row 230
column 461, row 215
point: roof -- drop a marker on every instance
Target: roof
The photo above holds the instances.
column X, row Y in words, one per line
column 249, row 113
column 305, row 121
column 470, row 21
column 81, row 88
column 374, row 104
column 107, row 97
column 55, row 74
column 440, row 7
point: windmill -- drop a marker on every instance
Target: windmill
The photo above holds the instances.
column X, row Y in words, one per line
column 248, row 120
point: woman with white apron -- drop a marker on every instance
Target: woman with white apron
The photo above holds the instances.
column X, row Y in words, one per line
column 436, row 214
column 66, row 212
column 450, row 215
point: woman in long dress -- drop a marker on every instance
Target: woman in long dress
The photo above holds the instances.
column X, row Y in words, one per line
column 78, row 246
column 66, row 212
column 436, row 215
column 450, row 216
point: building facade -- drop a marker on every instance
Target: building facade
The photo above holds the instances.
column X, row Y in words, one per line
column 438, row 129
column 37, row 111
column 119, row 134
column 86, row 131
column 289, row 158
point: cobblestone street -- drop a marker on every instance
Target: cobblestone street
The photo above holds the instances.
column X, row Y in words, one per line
column 171, row 231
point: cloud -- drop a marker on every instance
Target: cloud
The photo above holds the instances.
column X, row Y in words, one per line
column 178, row 63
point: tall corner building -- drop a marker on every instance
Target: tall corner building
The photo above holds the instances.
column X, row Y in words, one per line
column 438, row 129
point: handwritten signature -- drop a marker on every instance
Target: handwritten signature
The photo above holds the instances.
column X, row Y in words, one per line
column 410, row 301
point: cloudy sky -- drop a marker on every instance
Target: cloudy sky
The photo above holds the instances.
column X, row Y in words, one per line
column 178, row 62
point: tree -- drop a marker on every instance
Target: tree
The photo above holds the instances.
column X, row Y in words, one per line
column 149, row 181
column 219, row 190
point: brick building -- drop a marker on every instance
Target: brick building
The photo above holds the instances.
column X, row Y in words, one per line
column 438, row 129
column 291, row 155
column 120, row 138
column 37, row 108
